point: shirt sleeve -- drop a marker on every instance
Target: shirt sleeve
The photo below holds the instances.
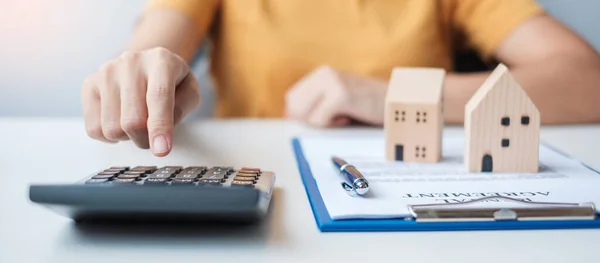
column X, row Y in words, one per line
column 486, row 23
column 201, row 12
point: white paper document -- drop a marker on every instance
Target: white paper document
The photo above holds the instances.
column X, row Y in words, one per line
column 395, row 185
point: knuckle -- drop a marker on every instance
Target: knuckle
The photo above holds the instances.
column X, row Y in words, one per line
column 299, row 104
column 159, row 124
column 88, row 85
column 291, row 94
column 106, row 74
column 164, row 66
column 161, row 53
column 339, row 97
column 88, row 81
column 129, row 55
column 112, row 131
column 132, row 125
column 161, row 91
column 337, row 94
column 94, row 131
column 105, row 85
column 129, row 70
column 324, row 69
column 107, row 68
column 295, row 108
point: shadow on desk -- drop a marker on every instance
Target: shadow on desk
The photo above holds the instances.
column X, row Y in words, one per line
column 270, row 230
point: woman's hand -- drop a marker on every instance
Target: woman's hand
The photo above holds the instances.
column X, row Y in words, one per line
column 329, row 98
column 140, row 96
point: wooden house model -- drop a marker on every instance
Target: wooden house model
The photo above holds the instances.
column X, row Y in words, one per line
column 501, row 127
column 413, row 118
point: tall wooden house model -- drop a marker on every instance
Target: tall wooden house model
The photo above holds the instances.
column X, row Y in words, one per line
column 413, row 118
column 501, row 127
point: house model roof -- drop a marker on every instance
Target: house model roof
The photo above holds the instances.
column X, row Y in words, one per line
column 416, row 85
column 500, row 78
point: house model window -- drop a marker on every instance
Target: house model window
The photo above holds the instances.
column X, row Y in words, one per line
column 525, row 120
column 505, row 121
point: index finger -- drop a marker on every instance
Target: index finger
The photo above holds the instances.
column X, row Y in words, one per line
column 160, row 98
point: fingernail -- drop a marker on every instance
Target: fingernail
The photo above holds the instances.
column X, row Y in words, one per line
column 160, row 144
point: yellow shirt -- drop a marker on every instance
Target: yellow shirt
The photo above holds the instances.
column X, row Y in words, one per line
column 260, row 48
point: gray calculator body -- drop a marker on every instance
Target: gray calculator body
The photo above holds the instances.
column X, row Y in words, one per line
column 234, row 196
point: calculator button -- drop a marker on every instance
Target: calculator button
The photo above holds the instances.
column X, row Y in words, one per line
column 129, row 176
column 193, row 170
column 210, row 181
column 113, row 171
column 242, row 178
column 190, row 174
column 170, row 169
column 102, row 176
column 140, row 173
column 123, row 168
column 123, row 181
column 240, row 174
column 135, row 172
column 96, row 181
column 242, row 183
column 249, row 172
column 228, row 169
column 108, row 173
column 161, row 175
column 164, row 172
column 146, row 169
column 216, row 173
column 155, row 181
column 186, row 176
column 167, row 172
column 248, row 169
column 182, row 181
column 221, row 168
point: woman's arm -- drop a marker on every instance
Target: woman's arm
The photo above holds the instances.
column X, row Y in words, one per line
column 169, row 29
column 558, row 70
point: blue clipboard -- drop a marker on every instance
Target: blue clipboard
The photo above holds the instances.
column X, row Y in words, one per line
column 326, row 224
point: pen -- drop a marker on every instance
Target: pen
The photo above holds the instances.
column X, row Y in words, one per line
column 354, row 182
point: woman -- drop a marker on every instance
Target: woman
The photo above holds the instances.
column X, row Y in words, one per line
column 327, row 62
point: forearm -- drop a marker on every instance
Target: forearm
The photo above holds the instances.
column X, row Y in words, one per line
column 168, row 29
column 566, row 90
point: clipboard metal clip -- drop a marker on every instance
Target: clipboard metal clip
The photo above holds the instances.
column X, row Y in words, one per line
column 526, row 211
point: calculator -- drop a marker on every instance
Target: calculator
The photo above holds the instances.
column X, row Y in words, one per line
column 162, row 194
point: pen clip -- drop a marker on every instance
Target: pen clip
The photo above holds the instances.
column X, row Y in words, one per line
column 349, row 189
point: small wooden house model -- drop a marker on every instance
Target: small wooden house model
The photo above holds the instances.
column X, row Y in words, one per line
column 413, row 118
column 501, row 127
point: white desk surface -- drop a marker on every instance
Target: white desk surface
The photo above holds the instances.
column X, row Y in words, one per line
column 34, row 150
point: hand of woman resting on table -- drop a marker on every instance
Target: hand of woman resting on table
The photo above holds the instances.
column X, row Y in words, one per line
column 329, row 98
column 140, row 96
